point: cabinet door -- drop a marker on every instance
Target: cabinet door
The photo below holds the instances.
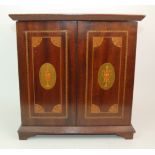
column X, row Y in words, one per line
column 46, row 52
column 106, row 57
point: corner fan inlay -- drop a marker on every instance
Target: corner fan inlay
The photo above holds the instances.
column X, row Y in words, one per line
column 39, row 109
column 56, row 41
column 117, row 41
column 36, row 41
column 96, row 109
column 97, row 41
column 113, row 108
column 57, row 108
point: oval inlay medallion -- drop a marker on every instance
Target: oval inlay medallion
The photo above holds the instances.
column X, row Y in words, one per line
column 47, row 76
column 106, row 76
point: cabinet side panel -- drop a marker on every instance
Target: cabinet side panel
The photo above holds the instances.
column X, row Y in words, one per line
column 22, row 70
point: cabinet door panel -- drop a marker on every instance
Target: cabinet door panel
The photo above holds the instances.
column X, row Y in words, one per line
column 105, row 72
column 46, row 51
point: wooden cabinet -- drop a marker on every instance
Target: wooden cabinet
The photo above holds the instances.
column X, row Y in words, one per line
column 76, row 73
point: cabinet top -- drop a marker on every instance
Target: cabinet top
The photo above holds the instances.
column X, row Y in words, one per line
column 87, row 17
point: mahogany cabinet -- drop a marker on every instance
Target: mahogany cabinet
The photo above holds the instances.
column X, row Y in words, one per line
column 76, row 73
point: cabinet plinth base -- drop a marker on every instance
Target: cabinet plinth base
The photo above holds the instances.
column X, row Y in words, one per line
column 25, row 132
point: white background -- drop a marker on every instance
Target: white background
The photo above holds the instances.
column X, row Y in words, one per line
column 143, row 118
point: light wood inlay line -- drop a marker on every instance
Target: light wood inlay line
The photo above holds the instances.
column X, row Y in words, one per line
column 27, row 62
column 119, row 43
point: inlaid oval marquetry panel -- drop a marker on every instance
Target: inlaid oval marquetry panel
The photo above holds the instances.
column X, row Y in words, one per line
column 47, row 76
column 106, row 76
